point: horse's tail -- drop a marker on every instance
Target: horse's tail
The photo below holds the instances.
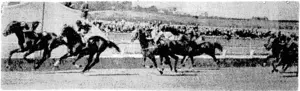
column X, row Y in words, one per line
column 218, row 46
column 114, row 45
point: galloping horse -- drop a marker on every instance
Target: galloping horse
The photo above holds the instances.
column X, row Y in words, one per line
column 205, row 48
column 149, row 49
column 202, row 47
column 289, row 54
column 190, row 44
column 284, row 50
column 95, row 45
column 30, row 41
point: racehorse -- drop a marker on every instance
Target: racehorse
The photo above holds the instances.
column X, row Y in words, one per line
column 29, row 41
column 289, row 54
column 183, row 47
column 149, row 49
column 95, row 45
column 204, row 48
column 280, row 50
column 196, row 46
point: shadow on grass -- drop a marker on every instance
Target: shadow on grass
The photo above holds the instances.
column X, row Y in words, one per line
column 291, row 72
column 190, row 71
column 112, row 74
column 69, row 72
column 179, row 74
column 289, row 76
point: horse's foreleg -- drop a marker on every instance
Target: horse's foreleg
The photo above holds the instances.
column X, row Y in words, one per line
column 46, row 55
column 60, row 59
column 161, row 60
column 265, row 61
column 274, row 65
column 193, row 62
column 175, row 63
column 8, row 62
column 152, row 58
column 78, row 57
column 286, row 67
column 27, row 54
column 144, row 60
column 183, row 61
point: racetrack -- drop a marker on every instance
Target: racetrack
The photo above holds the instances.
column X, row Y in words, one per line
column 231, row 78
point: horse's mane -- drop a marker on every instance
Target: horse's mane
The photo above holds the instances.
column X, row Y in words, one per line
column 69, row 28
column 71, row 31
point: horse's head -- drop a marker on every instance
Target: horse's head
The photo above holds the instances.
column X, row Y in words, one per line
column 67, row 30
column 270, row 43
column 135, row 35
column 35, row 24
column 15, row 26
column 275, row 41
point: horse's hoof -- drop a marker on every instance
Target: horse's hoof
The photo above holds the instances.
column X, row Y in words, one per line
column 162, row 69
column 55, row 68
column 194, row 66
column 33, row 69
column 77, row 66
column 151, row 66
column 161, row 72
column 175, row 71
column 82, row 72
column 183, row 65
column 146, row 66
column 167, row 62
column 218, row 68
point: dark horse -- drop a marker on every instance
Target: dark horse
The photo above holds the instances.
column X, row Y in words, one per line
column 289, row 53
column 188, row 45
column 202, row 47
column 95, row 45
column 183, row 47
column 30, row 41
column 148, row 47
column 284, row 50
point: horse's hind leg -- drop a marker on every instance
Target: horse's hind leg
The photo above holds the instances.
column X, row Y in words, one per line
column 216, row 60
column 46, row 55
column 96, row 60
column 152, row 58
column 91, row 56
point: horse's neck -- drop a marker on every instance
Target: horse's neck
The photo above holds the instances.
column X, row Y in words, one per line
column 145, row 43
column 20, row 36
column 76, row 38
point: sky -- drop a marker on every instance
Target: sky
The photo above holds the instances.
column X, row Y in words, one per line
column 280, row 10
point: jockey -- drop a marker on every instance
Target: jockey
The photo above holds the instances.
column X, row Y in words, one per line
column 85, row 10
